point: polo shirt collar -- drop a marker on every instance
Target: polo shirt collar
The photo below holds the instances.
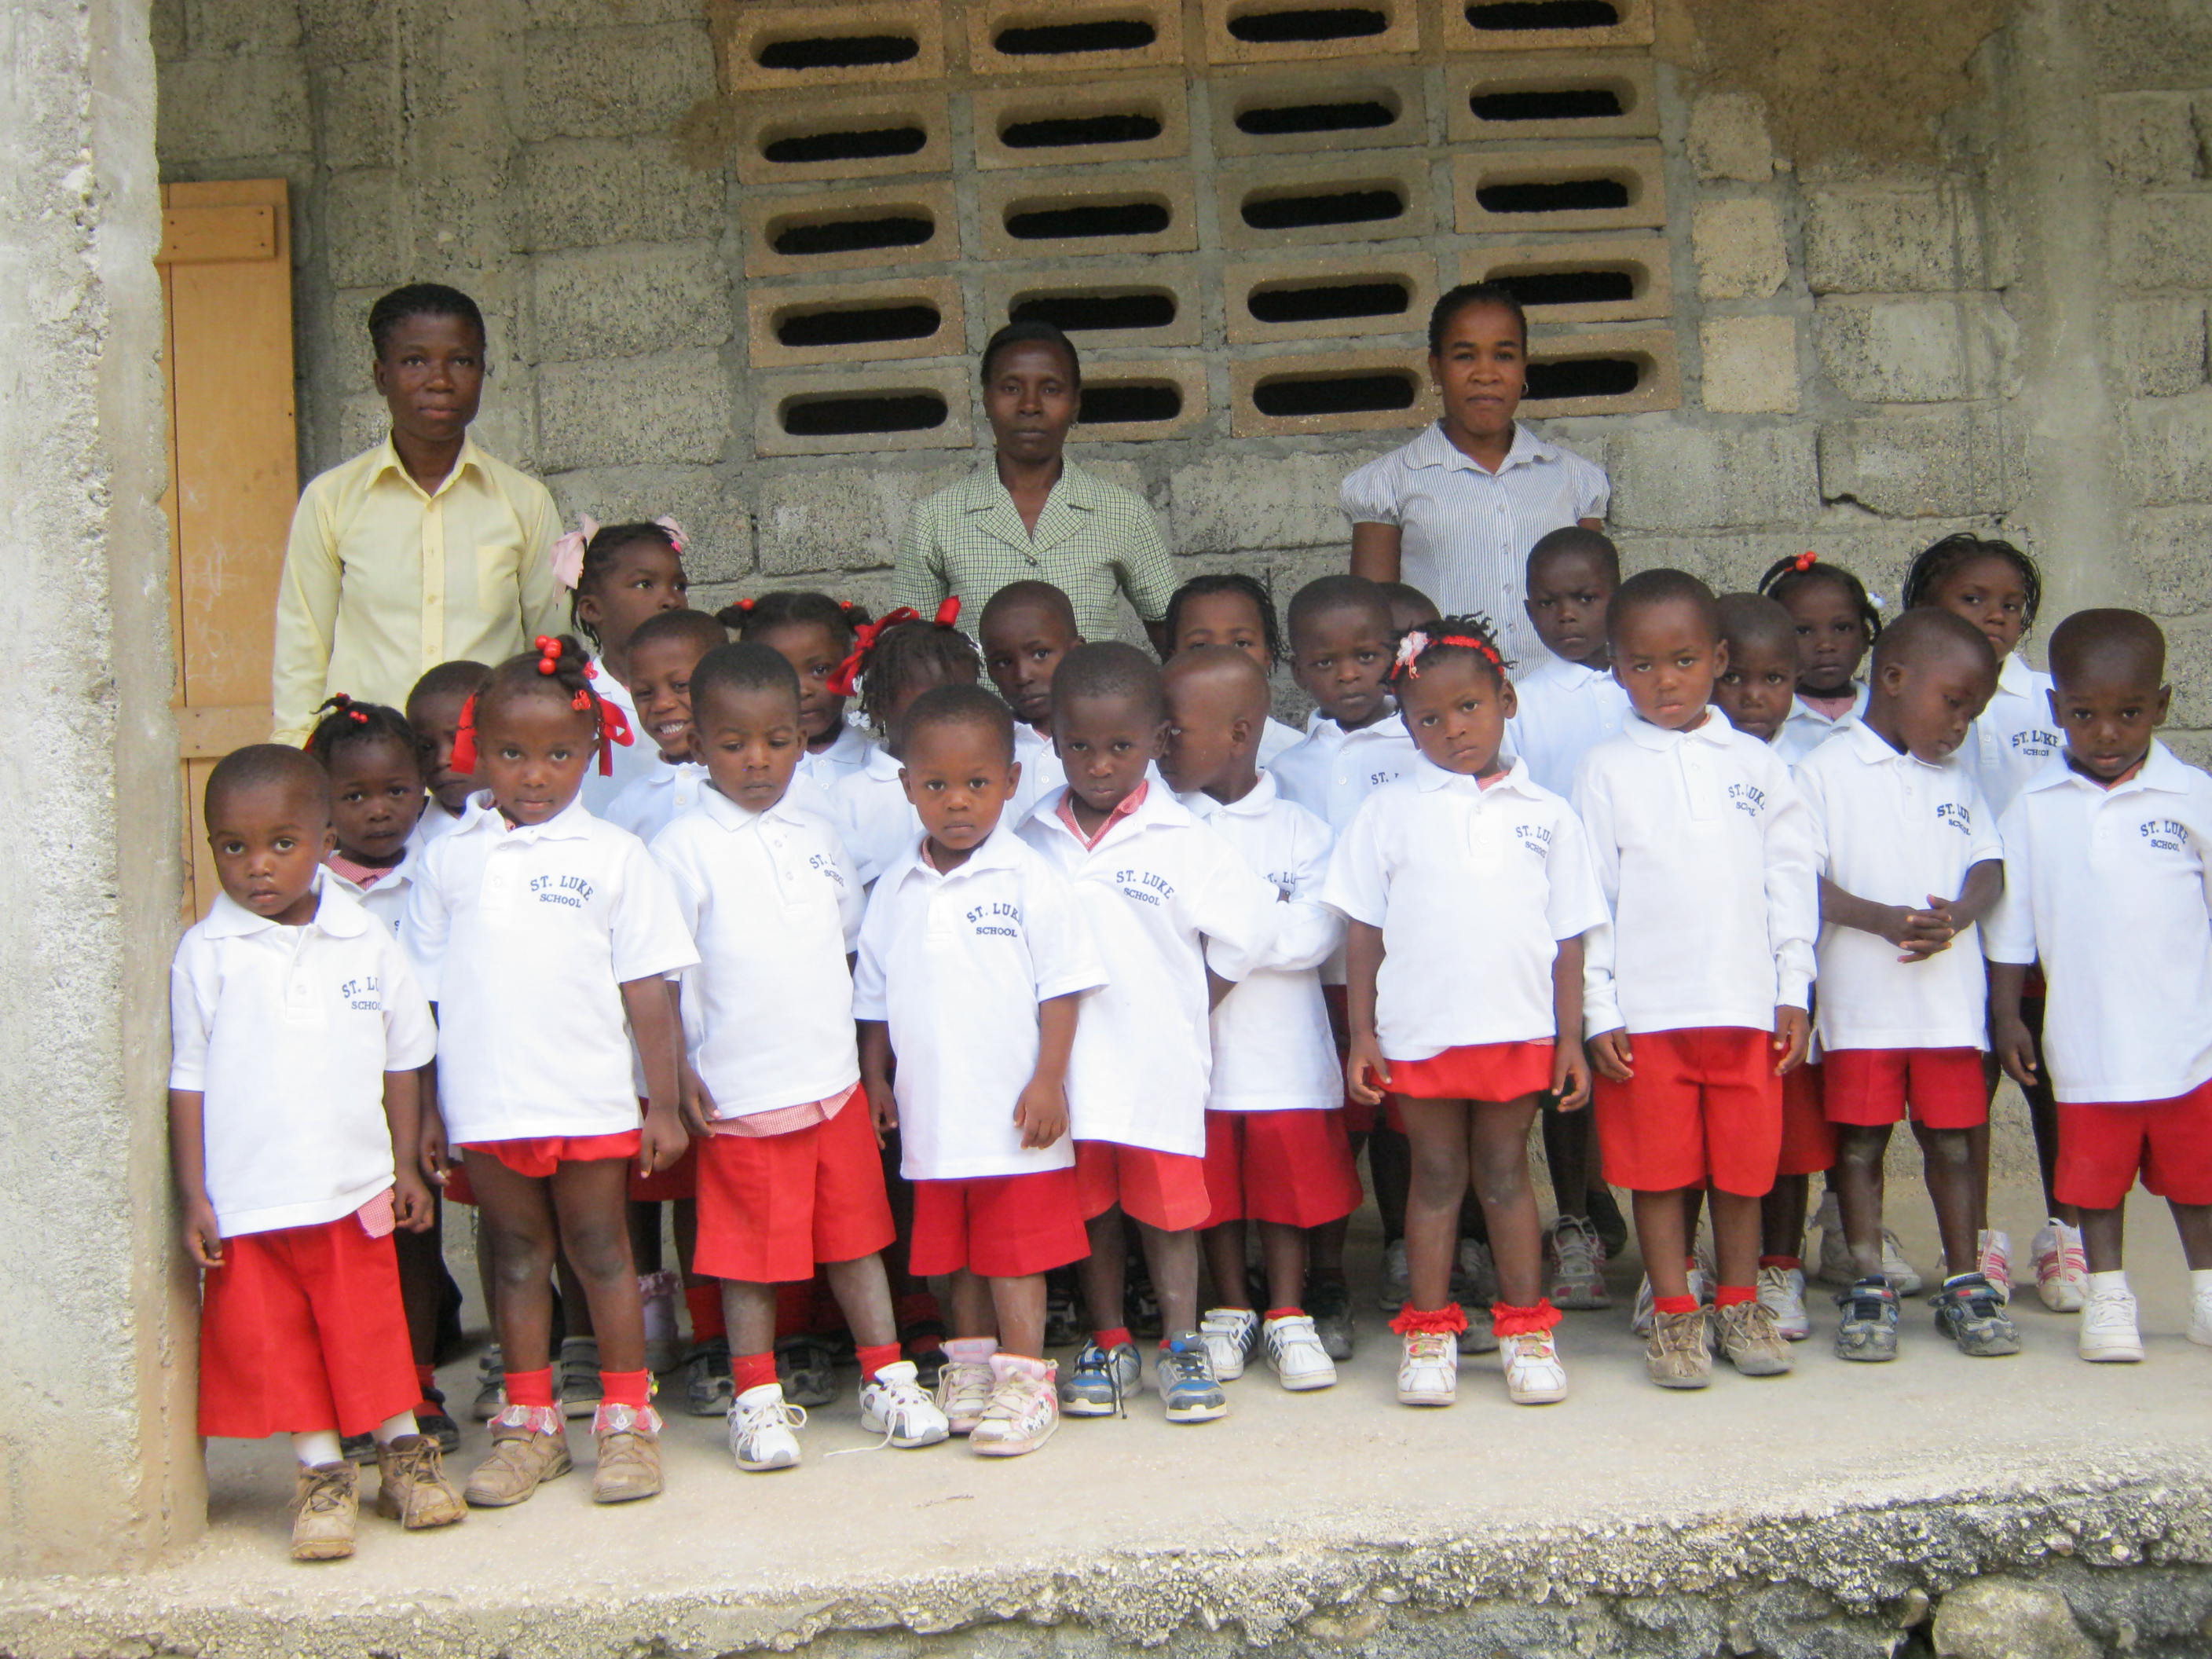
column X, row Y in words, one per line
column 1715, row 730
column 1429, row 777
column 1572, row 675
column 2014, row 675
column 1432, row 448
column 336, row 913
column 1254, row 804
column 882, row 765
column 387, row 460
column 1870, row 746
column 1001, row 850
column 572, row 823
column 2161, row 771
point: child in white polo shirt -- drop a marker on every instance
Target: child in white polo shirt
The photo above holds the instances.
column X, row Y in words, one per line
column 2107, row 883
column 663, row 653
column 1912, row 865
column 899, row 662
column 434, row 714
column 1696, row 994
column 1026, row 628
column 1276, row 1152
column 619, row 575
column 1227, row 607
column 815, row 635
column 1168, row 902
column 1837, row 623
column 540, row 930
column 973, row 962
column 296, row 1029
column 1468, row 888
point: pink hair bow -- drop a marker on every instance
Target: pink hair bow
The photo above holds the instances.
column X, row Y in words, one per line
column 569, row 552
column 1409, row 652
column 676, row 537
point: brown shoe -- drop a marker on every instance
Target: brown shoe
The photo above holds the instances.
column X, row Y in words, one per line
column 1752, row 1341
column 323, row 1505
column 1677, row 1356
column 629, row 1455
column 527, row 1449
column 411, row 1487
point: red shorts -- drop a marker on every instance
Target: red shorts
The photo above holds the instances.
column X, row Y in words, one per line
column 771, row 1206
column 679, row 1180
column 1868, row 1088
column 1294, row 1168
column 2102, row 1149
column 1004, row 1226
column 1808, row 1140
column 1704, row 1108
column 302, row 1330
column 1166, row 1190
column 1482, row 1071
column 537, row 1159
column 457, row 1189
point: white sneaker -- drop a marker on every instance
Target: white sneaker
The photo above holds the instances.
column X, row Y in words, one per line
column 893, row 1404
column 1578, row 1258
column 2200, row 1319
column 1646, row 1315
column 1836, row 1267
column 1994, row 1250
column 963, row 1389
column 1023, row 1410
column 1533, row 1375
column 1231, row 1334
column 2108, row 1328
column 761, row 1426
column 1902, row 1277
column 1295, row 1350
column 1397, row 1278
column 1428, row 1374
column 1782, row 1291
column 2062, row 1266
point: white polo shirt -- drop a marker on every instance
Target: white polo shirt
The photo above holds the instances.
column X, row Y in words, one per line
column 1042, row 775
column 1334, row 770
column 386, row 902
column 631, row 760
column 1896, row 829
column 1566, row 710
column 957, row 964
column 774, row 907
column 843, row 758
column 1474, row 888
column 1272, row 1048
column 1808, row 728
column 288, row 1032
column 2111, row 888
column 436, row 822
column 658, row 798
column 1709, row 859
column 875, row 820
column 1275, row 737
column 523, row 937
column 1164, row 896
column 2014, row 738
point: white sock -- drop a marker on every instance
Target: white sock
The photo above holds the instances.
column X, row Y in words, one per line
column 316, row 1447
column 2114, row 1283
column 395, row 1428
column 2200, row 1281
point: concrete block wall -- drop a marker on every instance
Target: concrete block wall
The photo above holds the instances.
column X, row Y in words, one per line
column 1851, row 355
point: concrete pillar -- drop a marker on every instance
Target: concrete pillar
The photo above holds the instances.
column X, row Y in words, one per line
column 98, row 1465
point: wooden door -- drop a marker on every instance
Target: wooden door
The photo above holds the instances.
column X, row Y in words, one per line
column 226, row 263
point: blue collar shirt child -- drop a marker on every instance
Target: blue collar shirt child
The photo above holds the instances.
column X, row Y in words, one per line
column 1566, row 710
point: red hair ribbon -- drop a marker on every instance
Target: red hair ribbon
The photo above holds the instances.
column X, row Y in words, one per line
column 343, row 704
column 868, row 635
column 1804, row 561
column 465, row 738
column 614, row 728
column 549, row 653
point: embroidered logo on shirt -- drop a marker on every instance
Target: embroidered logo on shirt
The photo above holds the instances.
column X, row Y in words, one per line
column 1146, row 886
column 996, row 920
column 2165, row 835
column 574, row 891
column 1536, row 837
column 2042, row 744
column 1953, row 813
column 827, row 866
column 1747, row 798
column 364, row 994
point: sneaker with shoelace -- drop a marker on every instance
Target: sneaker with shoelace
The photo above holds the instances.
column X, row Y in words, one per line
column 1970, row 1312
column 1294, row 1349
column 1678, row 1354
column 1895, row 1268
column 1868, row 1330
column 1534, row 1375
column 1102, row 1381
column 1577, row 1257
column 761, row 1424
column 963, row 1383
column 325, row 1499
column 1993, row 1260
column 628, row 1466
column 411, row 1487
column 529, row 1447
column 2109, row 1334
column 1750, row 1342
column 2061, row 1265
column 893, row 1404
column 1428, row 1373
column 1699, row 1278
column 1329, row 1302
column 1024, row 1408
column 1231, row 1337
column 1782, row 1291
column 1184, row 1376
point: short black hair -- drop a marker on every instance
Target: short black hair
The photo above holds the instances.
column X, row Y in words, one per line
column 1032, row 331
column 2126, row 641
column 345, row 723
column 1576, row 539
column 1223, row 662
column 1939, row 559
column 742, row 665
column 1418, row 607
column 1930, row 631
column 1228, row 582
column 421, row 300
column 1785, row 576
column 1110, row 668
column 458, row 678
column 1647, row 589
column 1469, row 295
column 791, row 607
column 1340, row 593
column 266, row 766
column 1041, row 594
column 962, row 705
column 693, row 627
column 1754, row 619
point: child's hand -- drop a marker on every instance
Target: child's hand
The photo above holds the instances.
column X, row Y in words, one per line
column 883, row 1106
column 1041, row 1114
column 435, row 1158
column 1929, row 932
column 203, row 1235
column 663, row 1140
column 1570, row 1076
column 694, row 1103
column 2015, row 1047
column 1611, row 1053
column 411, row 1202
column 1793, row 1036
column 1366, row 1074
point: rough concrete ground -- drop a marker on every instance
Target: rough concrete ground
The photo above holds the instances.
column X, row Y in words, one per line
column 1300, row 1518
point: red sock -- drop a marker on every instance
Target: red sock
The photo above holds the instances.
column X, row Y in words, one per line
column 633, row 1388
column 1116, row 1338
column 752, row 1370
column 1782, row 1262
column 705, row 1303
column 426, row 1379
column 531, row 1388
column 874, row 1359
column 1282, row 1313
column 1674, row 1304
column 1728, row 1295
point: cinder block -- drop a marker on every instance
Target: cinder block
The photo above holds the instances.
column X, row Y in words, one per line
column 1750, row 365
column 1143, row 284
column 1727, row 138
column 1732, row 561
column 611, row 83
column 1234, row 501
column 357, row 115
column 840, row 518
column 1528, row 95
column 820, row 137
column 1611, row 187
column 1287, row 289
column 721, row 548
column 1650, row 350
column 360, row 215
column 230, row 109
column 2158, row 345
column 782, row 401
column 229, row 26
column 770, row 219
column 1182, row 377
column 635, row 410
column 1358, row 107
column 1029, row 38
column 1146, row 196
column 1344, row 378
column 775, row 48
column 2149, row 138
column 1874, row 240
column 772, row 312
column 1487, row 27
column 1365, row 183
column 1916, row 348
column 1678, row 477
column 1740, row 250
column 595, row 14
column 628, row 301
column 2166, row 449
column 346, row 31
column 1254, row 31
column 588, row 193
column 2170, row 574
column 165, row 22
column 2161, row 241
column 1961, row 462
column 1104, row 111
column 1642, row 262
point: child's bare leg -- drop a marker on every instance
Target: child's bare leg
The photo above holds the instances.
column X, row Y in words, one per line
column 514, row 1219
column 1283, row 1257
column 1955, row 1185
column 1735, row 1237
column 1498, row 1139
column 589, row 1198
column 422, row 1282
column 2194, row 1223
column 1978, row 1141
column 1391, row 1166
column 1173, row 1259
column 863, row 1289
column 1664, row 1239
column 1104, row 1272
column 1567, row 1156
column 1782, row 1216
column 1018, row 1304
column 975, row 1308
column 749, row 1310
column 575, row 1305
column 1858, row 1175
column 1324, row 1247
column 1224, row 1263
column 1437, row 1138
column 2103, row 1234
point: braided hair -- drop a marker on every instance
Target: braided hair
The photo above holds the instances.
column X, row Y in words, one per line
column 787, row 607
column 1469, row 635
column 555, row 666
column 921, row 652
column 1229, row 582
column 341, row 723
column 1785, row 576
column 602, row 553
column 1937, row 562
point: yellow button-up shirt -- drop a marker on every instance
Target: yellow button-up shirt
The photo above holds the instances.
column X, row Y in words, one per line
column 383, row 582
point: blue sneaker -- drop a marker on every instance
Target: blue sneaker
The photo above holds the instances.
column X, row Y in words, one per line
column 1100, row 1381
column 1185, row 1378
column 1969, row 1311
column 1869, row 1330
